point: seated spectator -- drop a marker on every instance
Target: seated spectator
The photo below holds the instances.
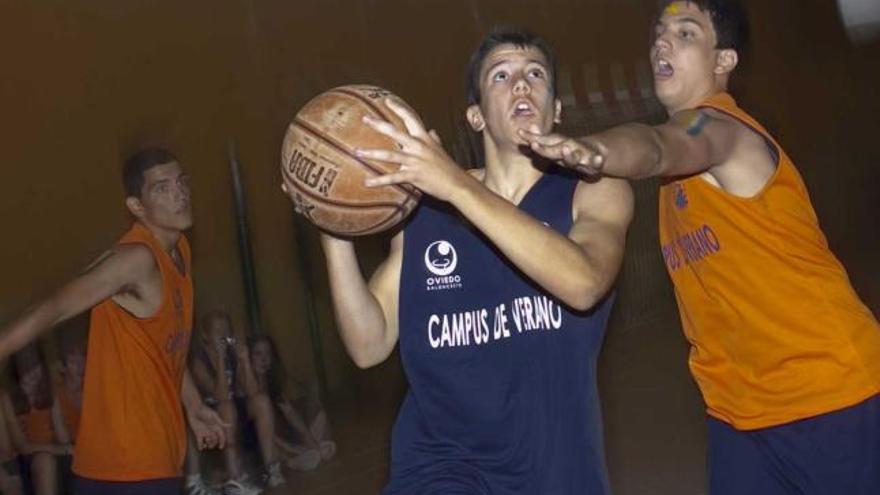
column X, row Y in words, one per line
column 302, row 431
column 218, row 362
column 10, row 479
column 39, row 433
column 70, row 387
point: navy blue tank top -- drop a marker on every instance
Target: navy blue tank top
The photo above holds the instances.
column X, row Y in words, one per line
column 502, row 377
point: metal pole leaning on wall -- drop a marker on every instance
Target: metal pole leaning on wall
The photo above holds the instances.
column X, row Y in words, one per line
column 245, row 254
column 305, row 268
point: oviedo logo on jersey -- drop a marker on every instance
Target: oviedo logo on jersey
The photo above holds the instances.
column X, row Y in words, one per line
column 441, row 260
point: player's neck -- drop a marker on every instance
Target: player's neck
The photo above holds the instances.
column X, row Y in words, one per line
column 698, row 98
column 510, row 174
column 167, row 237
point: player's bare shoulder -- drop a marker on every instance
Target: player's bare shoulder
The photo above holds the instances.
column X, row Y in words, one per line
column 752, row 161
column 136, row 264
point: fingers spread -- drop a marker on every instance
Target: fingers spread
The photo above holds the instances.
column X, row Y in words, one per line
column 389, row 130
column 410, row 120
column 383, row 155
column 385, row 180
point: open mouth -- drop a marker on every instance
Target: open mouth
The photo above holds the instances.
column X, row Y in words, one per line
column 663, row 69
column 523, row 108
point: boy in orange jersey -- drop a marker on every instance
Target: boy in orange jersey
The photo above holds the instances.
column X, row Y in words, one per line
column 132, row 437
column 786, row 355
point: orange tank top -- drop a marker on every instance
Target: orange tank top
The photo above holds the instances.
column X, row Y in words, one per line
column 37, row 426
column 132, row 426
column 776, row 331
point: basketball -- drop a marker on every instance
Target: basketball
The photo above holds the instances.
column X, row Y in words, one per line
column 325, row 178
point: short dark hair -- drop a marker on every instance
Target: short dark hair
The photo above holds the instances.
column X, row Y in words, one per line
column 729, row 20
column 137, row 164
column 506, row 35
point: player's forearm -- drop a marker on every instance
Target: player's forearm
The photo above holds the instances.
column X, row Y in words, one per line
column 547, row 257
column 632, row 151
column 27, row 327
column 189, row 394
column 359, row 315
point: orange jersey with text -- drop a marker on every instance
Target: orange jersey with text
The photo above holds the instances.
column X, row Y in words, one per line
column 131, row 426
column 776, row 331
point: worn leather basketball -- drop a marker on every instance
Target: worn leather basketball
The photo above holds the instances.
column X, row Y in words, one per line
column 325, row 178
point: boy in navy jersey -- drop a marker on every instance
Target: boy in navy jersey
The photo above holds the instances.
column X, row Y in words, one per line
column 498, row 291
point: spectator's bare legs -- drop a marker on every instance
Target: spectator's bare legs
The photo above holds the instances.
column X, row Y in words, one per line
column 261, row 411
column 226, row 409
column 10, row 481
column 44, row 473
column 192, row 465
column 259, row 406
column 320, row 429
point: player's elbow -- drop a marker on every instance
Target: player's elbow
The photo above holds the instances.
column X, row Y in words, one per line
column 363, row 363
column 368, row 354
column 584, row 295
column 364, row 360
column 591, row 287
column 582, row 301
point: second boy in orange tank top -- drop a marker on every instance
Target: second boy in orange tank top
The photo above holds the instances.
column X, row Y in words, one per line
column 132, row 436
column 786, row 355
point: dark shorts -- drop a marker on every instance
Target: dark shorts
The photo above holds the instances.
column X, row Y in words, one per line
column 833, row 454
column 248, row 432
column 165, row 486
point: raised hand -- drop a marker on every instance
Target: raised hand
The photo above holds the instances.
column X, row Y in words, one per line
column 566, row 151
column 423, row 161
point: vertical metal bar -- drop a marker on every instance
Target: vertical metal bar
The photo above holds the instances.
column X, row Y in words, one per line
column 305, row 264
column 245, row 254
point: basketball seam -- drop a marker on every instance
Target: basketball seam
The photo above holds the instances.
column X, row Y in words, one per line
column 332, row 142
column 379, row 226
column 367, row 101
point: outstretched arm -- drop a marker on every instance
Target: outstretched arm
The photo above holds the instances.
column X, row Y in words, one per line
column 116, row 271
column 690, row 142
